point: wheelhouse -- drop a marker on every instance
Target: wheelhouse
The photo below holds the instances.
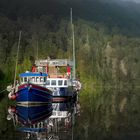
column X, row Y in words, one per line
column 35, row 78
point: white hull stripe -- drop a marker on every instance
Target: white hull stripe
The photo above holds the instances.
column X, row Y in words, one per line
column 30, row 104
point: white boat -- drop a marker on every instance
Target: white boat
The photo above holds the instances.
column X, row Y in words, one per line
column 61, row 82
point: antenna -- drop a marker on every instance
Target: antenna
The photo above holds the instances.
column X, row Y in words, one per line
column 73, row 44
column 17, row 58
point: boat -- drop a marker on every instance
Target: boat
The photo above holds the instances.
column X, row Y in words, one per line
column 61, row 82
column 60, row 78
column 51, row 84
column 31, row 90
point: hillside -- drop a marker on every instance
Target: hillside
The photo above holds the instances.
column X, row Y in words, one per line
column 108, row 13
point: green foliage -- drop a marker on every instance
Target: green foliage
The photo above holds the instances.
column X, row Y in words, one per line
column 108, row 66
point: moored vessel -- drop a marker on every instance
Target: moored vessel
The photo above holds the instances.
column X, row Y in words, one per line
column 31, row 90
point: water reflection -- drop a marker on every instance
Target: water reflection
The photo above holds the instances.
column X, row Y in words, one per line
column 48, row 122
column 108, row 115
column 29, row 115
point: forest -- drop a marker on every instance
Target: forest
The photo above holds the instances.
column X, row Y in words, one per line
column 107, row 61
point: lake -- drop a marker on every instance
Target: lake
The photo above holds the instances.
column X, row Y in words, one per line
column 112, row 114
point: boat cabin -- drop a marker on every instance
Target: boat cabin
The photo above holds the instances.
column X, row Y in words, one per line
column 42, row 79
column 35, row 78
column 57, row 82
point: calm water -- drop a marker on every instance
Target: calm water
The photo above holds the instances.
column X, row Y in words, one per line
column 113, row 114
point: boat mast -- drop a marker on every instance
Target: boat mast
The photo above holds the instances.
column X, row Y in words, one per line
column 37, row 50
column 73, row 44
column 17, row 58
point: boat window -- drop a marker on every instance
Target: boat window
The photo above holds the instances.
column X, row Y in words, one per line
column 53, row 82
column 60, row 82
column 41, row 79
column 32, row 79
column 37, row 79
column 65, row 82
column 44, row 79
column 48, row 82
column 25, row 79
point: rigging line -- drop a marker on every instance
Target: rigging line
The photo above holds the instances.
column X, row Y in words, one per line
column 73, row 44
column 17, row 58
column 2, row 90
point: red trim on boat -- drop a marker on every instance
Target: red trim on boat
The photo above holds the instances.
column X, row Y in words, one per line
column 59, row 99
column 34, row 86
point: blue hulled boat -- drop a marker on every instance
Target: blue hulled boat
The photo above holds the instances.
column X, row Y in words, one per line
column 31, row 90
column 33, row 94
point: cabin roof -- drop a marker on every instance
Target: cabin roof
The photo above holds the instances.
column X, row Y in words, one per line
column 26, row 74
column 54, row 62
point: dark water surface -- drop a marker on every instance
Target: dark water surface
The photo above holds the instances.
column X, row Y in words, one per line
column 110, row 114
column 113, row 113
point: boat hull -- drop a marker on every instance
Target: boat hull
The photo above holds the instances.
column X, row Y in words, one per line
column 30, row 94
column 63, row 95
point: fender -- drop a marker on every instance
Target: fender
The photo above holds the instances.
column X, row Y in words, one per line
column 12, row 96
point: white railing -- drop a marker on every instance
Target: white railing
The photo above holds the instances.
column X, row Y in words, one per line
column 54, row 62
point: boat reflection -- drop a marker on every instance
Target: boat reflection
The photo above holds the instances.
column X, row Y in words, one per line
column 29, row 115
column 48, row 122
